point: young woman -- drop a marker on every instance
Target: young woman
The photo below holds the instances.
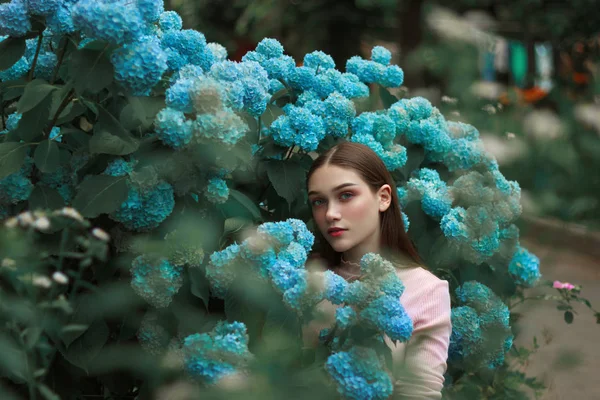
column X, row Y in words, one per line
column 356, row 210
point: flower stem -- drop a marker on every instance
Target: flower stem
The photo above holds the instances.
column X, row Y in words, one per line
column 35, row 58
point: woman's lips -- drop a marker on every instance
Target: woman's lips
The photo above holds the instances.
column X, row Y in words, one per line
column 337, row 232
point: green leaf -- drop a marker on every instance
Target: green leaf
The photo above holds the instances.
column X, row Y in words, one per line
column 32, row 123
column 100, row 194
column 47, row 156
column 12, row 89
column 45, row 198
column 285, row 175
column 71, row 332
column 35, row 91
column 11, row 51
column 141, row 111
column 47, row 393
column 85, row 348
column 199, row 285
column 568, row 317
column 110, row 137
column 271, row 114
column 12, row 156
column 387, row 99
column 246, row 202
column 91, row 70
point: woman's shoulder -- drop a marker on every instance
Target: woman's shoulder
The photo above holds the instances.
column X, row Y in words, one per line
column 420, row 275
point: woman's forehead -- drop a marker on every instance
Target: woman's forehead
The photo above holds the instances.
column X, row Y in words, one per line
column 328, row 177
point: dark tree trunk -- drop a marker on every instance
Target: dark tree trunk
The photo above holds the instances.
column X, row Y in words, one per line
column 410, row 36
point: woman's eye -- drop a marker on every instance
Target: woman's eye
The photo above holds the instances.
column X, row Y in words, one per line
column 346, row 196
column 317, row 202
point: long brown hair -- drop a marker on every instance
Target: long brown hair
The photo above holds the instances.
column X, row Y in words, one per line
column 395, row 241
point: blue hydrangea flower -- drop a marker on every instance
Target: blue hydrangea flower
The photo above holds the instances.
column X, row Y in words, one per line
column 394, row 158
column 12, row 121
column 294, row 254
column 172, row 128
column 466, row 338
column 405, row 221
column 224, row 126
column 436, row 203
column 211, row 356
column 480, row 342
column 392, row 77
column 188, row 45
column 216, row 191
column 16, row 71
column 115, row 21
column 16, row 187
column 453, row 224
column 157, row 281
column 45, row 65
column 301, row 234
column 61, row 22
column 525, row 267
column 318, row 61
column 387, row 314
column 345, row 317
column 220, row 270
column 381, row 55
column 178, row 95
column 43, row 7
column 359, row 374
column 269, row 48
column 464, row 154
column 279, row 234
column 140, row 65
column 119, row 167
column 145, row 209
column 302, row 78
column 285, row 276
column 150, row 10
column 219, row 52
column 299, row 127
column 335, row 287
column 153, row 337
column 170, row 21
column 14, row 18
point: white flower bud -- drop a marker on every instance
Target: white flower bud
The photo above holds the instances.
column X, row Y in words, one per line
column 42, row 223
column 61, row 278
column 41, row 281
column 8, row 263
column 100, row 234
column 11, row 222
column 25, row 218
column 70, row 212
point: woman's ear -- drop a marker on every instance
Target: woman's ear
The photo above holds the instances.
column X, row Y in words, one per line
column 385, row 197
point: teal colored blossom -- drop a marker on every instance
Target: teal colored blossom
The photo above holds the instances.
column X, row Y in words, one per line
column 381, row 55
column 157, row 281
column 14, row 18
column 150, row 10
column 140, row 65
column 359, row 374
column 115, row 21
column 209, row 357
column 146, row 208
column 172, row 128
column 524, row 267
column 61, row 22
column 216, row 191
column 345, row 317
column 318, row 61
column 188, row 47
column 170, row 21
column 119, row 167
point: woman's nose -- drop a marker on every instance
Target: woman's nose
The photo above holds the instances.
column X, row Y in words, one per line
column 333, row 213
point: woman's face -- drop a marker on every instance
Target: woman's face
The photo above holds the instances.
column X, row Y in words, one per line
column 346, row 210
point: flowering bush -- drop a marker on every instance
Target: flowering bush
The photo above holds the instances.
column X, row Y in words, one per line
column 112, row 112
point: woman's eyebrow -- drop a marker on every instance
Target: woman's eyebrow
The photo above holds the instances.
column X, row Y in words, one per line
column 338, row 187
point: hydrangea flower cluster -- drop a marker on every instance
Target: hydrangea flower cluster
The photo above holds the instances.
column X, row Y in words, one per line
column 278, row 252
column 152, row 336
column 525, row 267
column 466, row 149
column 211, row 356
column 299, row 127
column 378, row 69
column 377, row 298
column 269, row 54
column 378, row 131
column 431, row 190
column 359, row 374
column 140, row 65
column 481, row 334
column 145, row 207
column 485, row 206
column 46, row 61
column 216, row 191
column 156, row 280
column 17, row 186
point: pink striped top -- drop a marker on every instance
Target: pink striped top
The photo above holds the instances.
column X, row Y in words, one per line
column 420, row 363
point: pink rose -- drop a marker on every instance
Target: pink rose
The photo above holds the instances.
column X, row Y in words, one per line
column 561, row 285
